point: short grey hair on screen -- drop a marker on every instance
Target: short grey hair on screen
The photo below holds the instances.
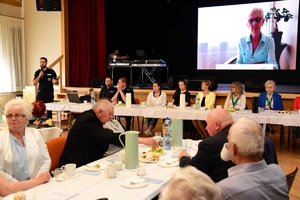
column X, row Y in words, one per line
column 259, row 11
column 189, row 183
column 248, row 136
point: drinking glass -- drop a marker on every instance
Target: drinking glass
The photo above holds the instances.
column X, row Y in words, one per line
column 141, row 169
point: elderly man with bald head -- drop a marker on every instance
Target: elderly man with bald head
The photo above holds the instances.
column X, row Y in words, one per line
column 208, row 157
column 88, row 140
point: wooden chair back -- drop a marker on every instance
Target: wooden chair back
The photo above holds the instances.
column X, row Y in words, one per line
column 55, row 148
column 290, row 176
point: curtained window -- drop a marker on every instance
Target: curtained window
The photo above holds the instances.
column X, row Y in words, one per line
column 11, row 69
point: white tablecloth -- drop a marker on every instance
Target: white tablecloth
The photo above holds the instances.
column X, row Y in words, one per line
column 94, row 185
column 50, row 133
column 266, row 117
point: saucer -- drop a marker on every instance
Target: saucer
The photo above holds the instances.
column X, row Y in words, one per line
column 134, row 183
column 69, row 177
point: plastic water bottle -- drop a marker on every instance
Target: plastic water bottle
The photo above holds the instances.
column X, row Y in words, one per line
column 93, row 97
column 167, row 130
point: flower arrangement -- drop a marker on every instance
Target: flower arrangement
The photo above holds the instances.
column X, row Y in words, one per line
column 275, row 16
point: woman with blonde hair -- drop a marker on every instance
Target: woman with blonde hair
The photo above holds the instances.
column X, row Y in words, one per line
column 207, row 100
column 236, row 99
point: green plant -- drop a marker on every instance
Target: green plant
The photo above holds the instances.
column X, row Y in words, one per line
column 276, row 16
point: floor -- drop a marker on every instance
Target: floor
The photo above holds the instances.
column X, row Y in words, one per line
column 287, row 156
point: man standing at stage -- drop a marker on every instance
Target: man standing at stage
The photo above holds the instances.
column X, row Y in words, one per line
column 46, row 78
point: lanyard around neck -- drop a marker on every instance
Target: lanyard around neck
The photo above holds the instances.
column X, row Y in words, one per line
column 269, row 101
column 234, row 100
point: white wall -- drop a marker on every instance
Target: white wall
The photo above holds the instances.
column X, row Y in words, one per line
column 42, row 34
column 42, row 38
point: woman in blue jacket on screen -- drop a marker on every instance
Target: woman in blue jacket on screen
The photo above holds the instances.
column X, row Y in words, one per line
column 270, row 100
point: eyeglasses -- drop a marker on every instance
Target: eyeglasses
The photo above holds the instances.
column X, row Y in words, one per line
column 17, row 116
column 257, row 20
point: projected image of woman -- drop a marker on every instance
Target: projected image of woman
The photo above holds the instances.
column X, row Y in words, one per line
column 256, row 48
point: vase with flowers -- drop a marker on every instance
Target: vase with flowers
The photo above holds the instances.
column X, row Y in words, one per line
column 275, row 16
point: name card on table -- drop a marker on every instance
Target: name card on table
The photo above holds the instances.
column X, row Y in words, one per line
column 182, row 101
column 128, row 100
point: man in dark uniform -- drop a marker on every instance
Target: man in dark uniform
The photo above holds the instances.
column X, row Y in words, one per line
column 45, row 77
column 108, row 90
column 120, row 95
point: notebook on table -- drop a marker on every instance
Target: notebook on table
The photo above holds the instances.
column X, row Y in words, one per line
column 74, row 98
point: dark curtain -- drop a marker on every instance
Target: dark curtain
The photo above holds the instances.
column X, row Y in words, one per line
column 86, row 42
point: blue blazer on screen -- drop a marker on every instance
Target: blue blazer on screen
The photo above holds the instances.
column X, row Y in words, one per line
column 277, row 101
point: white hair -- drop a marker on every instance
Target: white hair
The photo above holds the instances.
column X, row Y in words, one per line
column 189, row 183
column 247, row 135
column 24, row 105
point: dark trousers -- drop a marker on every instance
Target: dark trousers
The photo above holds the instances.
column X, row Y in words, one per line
column 128, row 123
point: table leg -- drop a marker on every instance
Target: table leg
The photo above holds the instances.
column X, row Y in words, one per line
column 264, row 129
column 58, row 118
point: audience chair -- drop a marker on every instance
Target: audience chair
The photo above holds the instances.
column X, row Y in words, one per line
column 290, row 176
column 55, row 148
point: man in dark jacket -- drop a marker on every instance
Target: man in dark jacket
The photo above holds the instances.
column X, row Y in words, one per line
column 208, row 158
column 87, row 140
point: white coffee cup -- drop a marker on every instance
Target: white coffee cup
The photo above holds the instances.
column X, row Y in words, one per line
column 141, row 169
column 121, row 155
column 119, row 102
column 118, row 164
column 111, row 171
column 225, row 154
column 143, row 103
column 219, row 106
column 85, row 101
column 69, row 169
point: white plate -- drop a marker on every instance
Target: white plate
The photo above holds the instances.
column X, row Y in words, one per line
column 28, row 196
column 93, row 168
column 76, row 175
column 148, row 157
column 165, row 164
column 146, row 160
column 134, row 183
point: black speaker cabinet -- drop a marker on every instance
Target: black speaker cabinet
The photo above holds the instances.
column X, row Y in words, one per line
column 195, row 85
column 254, row 87
column 48, row 5
column 98, row 83
column 173, row 81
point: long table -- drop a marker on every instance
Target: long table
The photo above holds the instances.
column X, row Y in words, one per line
column 95, row 185
column 188, row 113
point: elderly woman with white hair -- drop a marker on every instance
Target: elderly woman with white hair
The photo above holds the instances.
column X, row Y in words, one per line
column 189, row 183
column 23, row 153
